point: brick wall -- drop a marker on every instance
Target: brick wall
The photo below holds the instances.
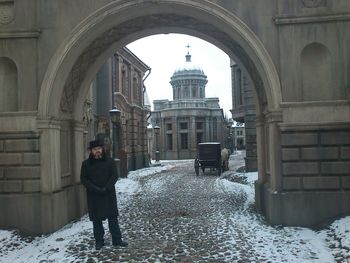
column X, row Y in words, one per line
column 19, row 163
column 316, row 160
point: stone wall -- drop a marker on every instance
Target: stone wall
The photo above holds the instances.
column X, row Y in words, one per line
column 19, row 163
column 316, row 160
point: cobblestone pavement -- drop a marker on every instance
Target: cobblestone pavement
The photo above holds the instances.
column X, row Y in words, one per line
column 181, row 220
column 184, row 219
column 168, row 214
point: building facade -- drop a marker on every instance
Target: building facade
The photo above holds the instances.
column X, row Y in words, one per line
column 243, row 111
column 50, row 52
column 190, row 118
column 120, row 83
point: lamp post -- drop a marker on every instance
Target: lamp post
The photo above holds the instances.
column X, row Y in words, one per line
column 156, row 132
column 231, row 135
column 115, row 119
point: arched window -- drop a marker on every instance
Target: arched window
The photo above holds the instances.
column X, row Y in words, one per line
column 136, row 88
column 316, row 71
column 8, row 85
column 239, row 89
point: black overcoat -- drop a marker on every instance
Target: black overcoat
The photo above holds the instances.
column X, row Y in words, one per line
column 95, row 175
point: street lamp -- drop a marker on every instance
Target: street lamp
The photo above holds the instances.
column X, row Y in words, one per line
column 156, row 132
column 231, row 135
column 115, row 119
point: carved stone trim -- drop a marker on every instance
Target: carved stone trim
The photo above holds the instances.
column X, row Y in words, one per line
column 328, row 126
column 7, row 12
column 313, row 3
column 20, row 33
column 285, row 20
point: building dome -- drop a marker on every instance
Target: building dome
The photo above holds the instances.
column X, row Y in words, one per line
column 189, row 68
column 188, row 81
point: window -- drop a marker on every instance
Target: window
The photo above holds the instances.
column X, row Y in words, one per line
column 199, row 125
column 199, row 137
column 184, row 141
column 183, row 125
column 194, row 92
column 169, row 141
column 239, row 98
column 135, row 89
column 169, row 127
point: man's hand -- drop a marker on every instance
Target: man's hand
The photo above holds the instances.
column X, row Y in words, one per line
column 100, row 190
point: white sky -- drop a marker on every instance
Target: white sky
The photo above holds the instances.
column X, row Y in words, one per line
column 165, row 53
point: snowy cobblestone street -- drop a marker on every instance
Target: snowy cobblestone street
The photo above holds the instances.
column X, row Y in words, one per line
column 171, row 215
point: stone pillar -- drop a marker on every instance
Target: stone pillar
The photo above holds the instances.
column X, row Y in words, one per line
column 261, row 152
column 193, row 137
column 78, row 149
column 50, row 155
column 275, row 151
column 261, row 148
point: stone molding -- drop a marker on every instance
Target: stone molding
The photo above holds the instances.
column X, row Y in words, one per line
column 17, row 122
column 19, row 33
column 274, row 116
column 288, row 20
column 316, row 112
column 314, row 126
column 313, row 3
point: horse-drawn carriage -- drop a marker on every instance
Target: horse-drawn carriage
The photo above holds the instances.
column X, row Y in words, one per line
column 208, row 156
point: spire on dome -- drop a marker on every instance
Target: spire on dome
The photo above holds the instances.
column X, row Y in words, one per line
column 188, row 56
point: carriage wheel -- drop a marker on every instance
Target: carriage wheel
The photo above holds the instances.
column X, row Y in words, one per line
column 196, row 166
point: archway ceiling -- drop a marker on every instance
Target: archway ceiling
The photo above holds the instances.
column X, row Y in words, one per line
column 149, row 22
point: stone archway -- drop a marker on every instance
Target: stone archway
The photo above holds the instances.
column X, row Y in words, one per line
column 79, row 57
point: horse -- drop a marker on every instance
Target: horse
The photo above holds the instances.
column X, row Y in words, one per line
column 225, row 155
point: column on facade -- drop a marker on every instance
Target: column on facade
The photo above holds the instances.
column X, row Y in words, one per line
column 193, row 136
column 207, row 131
column 131, row 84
column 175, row 137
column 129, row 87
column 162, row 138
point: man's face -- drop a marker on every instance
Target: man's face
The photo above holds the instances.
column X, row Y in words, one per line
column 97, row 152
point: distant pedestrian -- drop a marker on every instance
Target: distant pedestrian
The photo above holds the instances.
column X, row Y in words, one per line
column 99, row 176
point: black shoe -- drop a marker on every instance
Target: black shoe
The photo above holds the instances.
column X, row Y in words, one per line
column 120, row 243
column 99, row 245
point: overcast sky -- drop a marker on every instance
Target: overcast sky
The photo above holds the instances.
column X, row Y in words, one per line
column 165, row 53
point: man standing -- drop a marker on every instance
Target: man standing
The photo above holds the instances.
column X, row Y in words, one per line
column 99, row 175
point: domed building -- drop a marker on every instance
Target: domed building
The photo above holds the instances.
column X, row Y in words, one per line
column 190, row 118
